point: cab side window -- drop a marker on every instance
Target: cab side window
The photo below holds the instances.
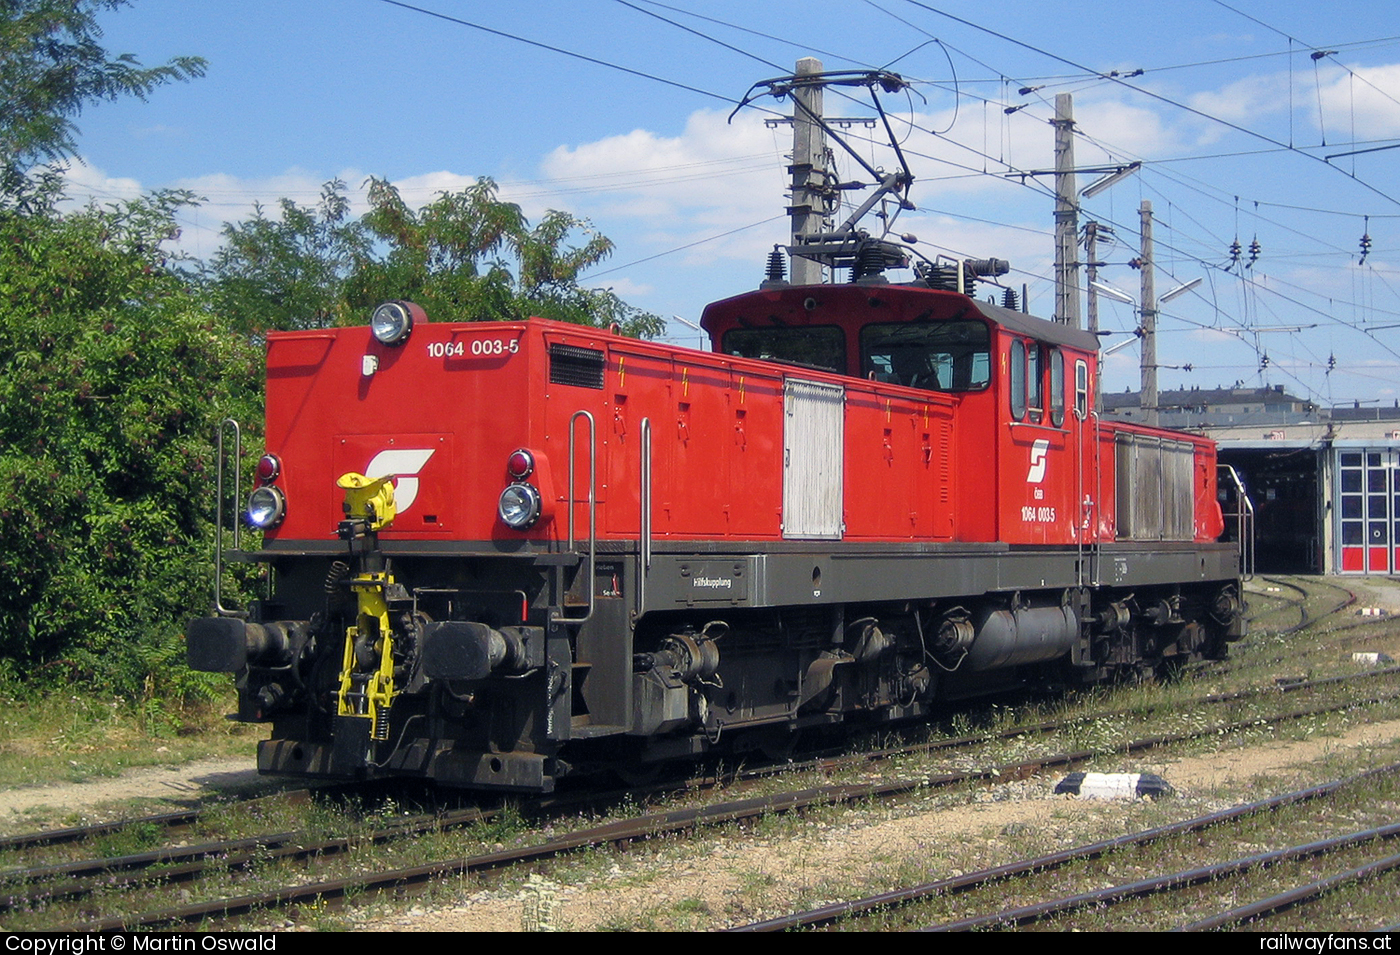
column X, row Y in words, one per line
column 1081, row 389
column 1035, row 382
column 1017, row 384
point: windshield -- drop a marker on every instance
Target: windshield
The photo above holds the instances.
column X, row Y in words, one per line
column 935, row 356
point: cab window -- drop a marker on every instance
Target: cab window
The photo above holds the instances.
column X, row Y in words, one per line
column 1018, row 379
column 1081, row 389
column 1035, row 382
column 935, row 356
column 820, row 346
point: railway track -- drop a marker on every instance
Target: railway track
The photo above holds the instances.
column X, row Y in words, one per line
column 621, row 832
column 183, row 821
column 77, row 879
column 1306, row 616
column 1117, row 894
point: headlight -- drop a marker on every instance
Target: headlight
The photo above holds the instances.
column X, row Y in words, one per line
column 519, row 506
column 266, row 508
column 392, row 321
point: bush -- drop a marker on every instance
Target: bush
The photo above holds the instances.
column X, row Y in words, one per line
column 113, row 374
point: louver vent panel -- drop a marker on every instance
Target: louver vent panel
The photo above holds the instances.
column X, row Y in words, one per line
column 581, row 367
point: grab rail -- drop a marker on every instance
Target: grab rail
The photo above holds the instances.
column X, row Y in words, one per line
column 219, row 464
column 644, row 525
column 592, row 502
column 1244, row 521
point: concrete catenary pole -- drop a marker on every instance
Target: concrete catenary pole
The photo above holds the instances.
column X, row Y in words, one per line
column 808, row 171
column 1091, row 267
column 1091, row 297
column 1148, row 398
column 1066, row 215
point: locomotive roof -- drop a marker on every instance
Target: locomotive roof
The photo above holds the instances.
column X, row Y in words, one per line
column 911, row 303
column 1056, row 333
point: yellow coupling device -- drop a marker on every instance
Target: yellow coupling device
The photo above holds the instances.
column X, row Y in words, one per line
column 367, row 665
column 371, row 499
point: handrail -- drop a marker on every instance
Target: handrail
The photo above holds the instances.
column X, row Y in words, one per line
column 1081, row 515
column 219, row 464
column 1096, row 512
column 592, row 502
column 644, row 526
column 1244, row 521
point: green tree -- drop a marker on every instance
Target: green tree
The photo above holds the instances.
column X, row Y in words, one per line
column 465, row 256
column 51, row 67
column 289, row 272
column 113, row 372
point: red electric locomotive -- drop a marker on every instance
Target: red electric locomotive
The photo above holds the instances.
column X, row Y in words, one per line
column 502, row 552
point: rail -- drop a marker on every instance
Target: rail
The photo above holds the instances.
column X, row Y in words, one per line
column 1244, row 520
column 644, row 525
column 220, row 463
column 592, row 501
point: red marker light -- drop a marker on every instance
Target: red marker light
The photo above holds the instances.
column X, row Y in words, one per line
column 269, row 467
column 520, row 464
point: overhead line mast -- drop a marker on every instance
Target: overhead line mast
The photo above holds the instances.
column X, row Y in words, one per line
column 808, row 169
column 815, row 244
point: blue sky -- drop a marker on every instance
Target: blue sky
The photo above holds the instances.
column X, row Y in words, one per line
column 1232, row 116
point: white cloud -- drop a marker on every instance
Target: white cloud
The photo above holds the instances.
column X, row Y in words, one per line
column 623, row 288
column 1245, row 100
column 87, row 183
column 675, row 190
column 1121, row 366
column 1369, row 100
column 1213, row 336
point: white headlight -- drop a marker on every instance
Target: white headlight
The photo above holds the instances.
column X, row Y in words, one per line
column 392, row 322
column 266, row 508
column 519, row 506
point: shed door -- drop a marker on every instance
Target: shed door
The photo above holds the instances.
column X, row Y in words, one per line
column 1369, row 518
column 813, row 457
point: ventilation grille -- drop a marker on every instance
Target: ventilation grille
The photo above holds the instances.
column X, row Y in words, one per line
column 571, row 365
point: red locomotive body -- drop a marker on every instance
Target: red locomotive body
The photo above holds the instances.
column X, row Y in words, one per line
column 506, row 551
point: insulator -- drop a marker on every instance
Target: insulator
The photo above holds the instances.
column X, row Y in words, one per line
column 1008, row 299
column 986, row 266
column 1331, row 363
column 777, row 268
column 1264, row 362
column 1235, row 251
column 869, row 260
column 1365, row 247
column 1254, row 249
column 943, row 278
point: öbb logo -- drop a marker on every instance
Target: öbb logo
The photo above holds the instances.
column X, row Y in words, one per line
column 403, row 465
column 1039, row 452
